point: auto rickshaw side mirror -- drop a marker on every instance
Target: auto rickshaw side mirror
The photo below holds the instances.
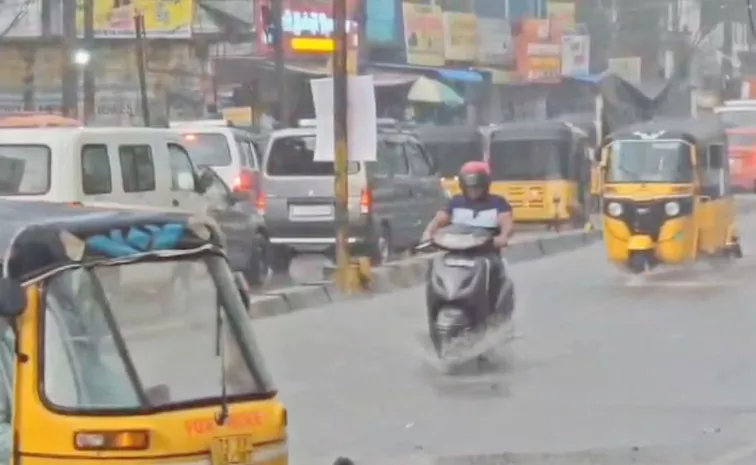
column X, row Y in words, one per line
column 243, row 287
column 12, row 298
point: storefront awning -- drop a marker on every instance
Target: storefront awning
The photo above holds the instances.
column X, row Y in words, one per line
column 452, row 74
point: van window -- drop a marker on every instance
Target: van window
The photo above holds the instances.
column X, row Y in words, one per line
column 398, row 159
column 180, row 163
column 208, row 149
column 24, row 169
column 245, row 153
column 137, row 168
column 293, row 156
column 417, row 161
column 95, row 170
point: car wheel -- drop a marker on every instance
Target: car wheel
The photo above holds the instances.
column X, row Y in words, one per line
column 279, row 259
column 382, row 247
column 258, row 266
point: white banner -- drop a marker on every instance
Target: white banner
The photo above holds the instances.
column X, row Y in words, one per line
column 495, row 44
column 576, row 55
column 21, row 19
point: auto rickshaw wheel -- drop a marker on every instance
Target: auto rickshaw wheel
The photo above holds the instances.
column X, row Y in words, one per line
column 637, row 262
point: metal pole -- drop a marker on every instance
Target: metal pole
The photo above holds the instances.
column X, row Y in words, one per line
column 88, row 78
column 341, row 160
column 139, row 50
column 279, row 60
column 69, row 82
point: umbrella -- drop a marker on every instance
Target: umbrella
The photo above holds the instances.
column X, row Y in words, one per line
column 431, row 91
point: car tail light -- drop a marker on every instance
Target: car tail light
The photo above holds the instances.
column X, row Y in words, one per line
column 366, row 201
column 262, row 202
column 245, row 181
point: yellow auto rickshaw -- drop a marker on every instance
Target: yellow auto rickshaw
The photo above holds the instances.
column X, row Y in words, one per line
column 542, row 168
column 451, row 147
column 666, row 196
column 105, row 359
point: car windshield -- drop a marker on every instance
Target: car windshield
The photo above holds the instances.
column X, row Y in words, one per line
column 649, row 161
column 147, row 335
column 741, row 139
column 207, row 149
column 738, row 117
column 526, row 160
column 449, row 157
column 24, row 169
column 294, row 156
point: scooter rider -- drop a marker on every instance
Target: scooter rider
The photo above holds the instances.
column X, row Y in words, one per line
column 476, row 206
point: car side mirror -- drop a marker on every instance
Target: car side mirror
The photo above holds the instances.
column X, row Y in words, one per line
column 204, row 180
column 12, row 298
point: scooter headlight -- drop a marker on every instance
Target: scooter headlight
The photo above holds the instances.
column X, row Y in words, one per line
column 614, row 209
column 672, row 208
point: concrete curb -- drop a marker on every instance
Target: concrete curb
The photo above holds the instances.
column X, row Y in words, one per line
column 411, row 272
column 402, row 274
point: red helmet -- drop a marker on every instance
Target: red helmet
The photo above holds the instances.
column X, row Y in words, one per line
column 475, row 174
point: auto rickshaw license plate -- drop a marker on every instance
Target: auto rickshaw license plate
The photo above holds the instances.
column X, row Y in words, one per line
column 232, row 450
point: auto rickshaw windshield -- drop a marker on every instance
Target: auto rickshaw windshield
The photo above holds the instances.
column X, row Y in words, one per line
column 529, row 160
column 649, row 161
column 147, row 335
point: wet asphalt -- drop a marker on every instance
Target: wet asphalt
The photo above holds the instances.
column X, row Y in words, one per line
column 604, row 369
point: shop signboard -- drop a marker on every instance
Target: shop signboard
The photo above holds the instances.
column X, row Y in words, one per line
column 423, row 34
column 308, row 27
column 460, row 36
column 114, row 19
column 495, row 44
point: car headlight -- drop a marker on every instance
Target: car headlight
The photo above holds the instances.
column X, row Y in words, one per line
column 672, row 208
column 614, row 209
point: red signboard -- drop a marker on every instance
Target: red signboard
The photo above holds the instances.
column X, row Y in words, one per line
column 307, row 26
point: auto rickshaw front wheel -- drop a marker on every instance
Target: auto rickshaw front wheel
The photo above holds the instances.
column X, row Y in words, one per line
column 638, row 262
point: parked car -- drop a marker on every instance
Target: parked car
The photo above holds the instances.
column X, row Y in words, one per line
column 390, row 200
column 242, row 225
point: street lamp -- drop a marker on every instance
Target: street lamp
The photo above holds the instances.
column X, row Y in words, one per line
column 82, row 57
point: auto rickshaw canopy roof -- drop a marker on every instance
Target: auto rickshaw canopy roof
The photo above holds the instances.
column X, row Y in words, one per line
column 531, row 130
column 39, row 237
column 37, row 120
column 695, row 131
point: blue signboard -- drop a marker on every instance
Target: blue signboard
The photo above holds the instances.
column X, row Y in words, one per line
column 382, row 19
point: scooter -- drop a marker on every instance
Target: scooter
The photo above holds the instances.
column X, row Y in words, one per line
column 466, row 298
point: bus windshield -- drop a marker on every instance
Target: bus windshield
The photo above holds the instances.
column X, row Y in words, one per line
column 646, row 161
column 529, row 160
column 146, row 335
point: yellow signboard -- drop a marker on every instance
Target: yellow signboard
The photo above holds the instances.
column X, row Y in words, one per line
column 423, row 34
column 460, row 36
column 170, row 19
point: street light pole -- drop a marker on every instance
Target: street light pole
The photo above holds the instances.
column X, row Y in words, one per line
column 69, row 82
column 88, row 83
column 142, row 75
column 279, row 58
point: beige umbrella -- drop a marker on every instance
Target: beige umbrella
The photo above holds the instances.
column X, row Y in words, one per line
column 431, row 91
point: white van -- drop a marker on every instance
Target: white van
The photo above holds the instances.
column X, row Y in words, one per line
column 130, row 166
column 228, row 150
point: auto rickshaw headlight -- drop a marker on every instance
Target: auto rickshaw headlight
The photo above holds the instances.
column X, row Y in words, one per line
column 672, row 208
column 614, row 209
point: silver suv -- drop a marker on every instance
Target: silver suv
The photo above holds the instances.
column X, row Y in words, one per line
column 390, row 200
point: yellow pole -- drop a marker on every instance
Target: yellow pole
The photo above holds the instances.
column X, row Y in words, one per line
column 341, row 159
